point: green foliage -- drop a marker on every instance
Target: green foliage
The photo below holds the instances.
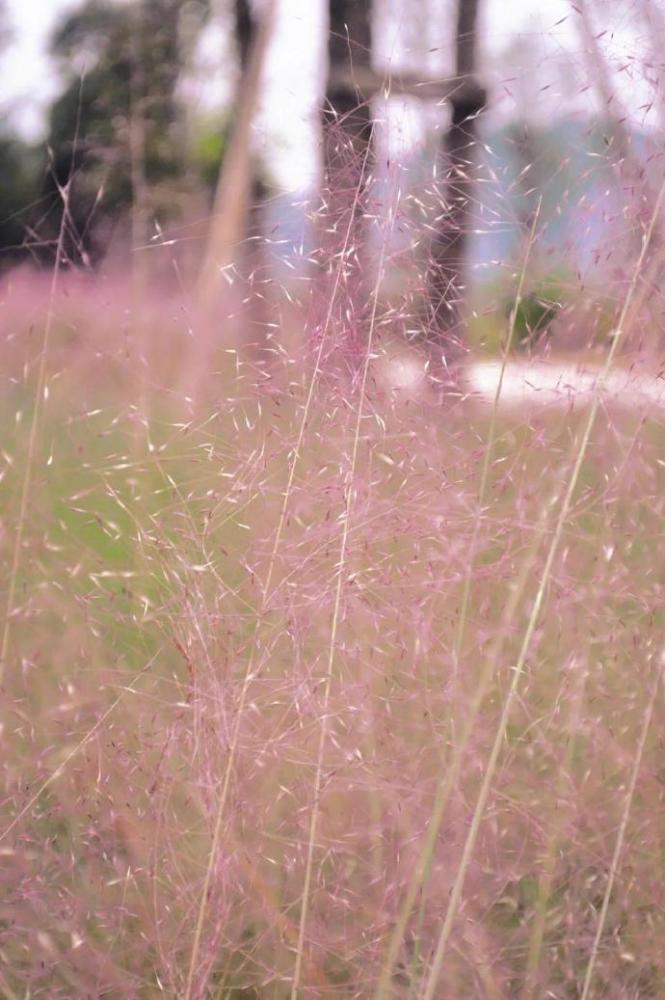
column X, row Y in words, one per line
column 490, row 321
column 208, row 152
column 116, row 128
column 19, row 169
column 535, row 314
column 486, row 330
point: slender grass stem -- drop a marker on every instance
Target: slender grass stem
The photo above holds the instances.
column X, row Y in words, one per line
column 546, row 880
column 621, row 836
column 422, row 870
column 266, row 594
column 460, row 631
column 28, row 467
column 60, row 769
column 332, row 647
column 7, row 991
column 519, row 668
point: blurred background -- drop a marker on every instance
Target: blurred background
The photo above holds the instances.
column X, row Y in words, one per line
column 313, row 663
column 139, row 110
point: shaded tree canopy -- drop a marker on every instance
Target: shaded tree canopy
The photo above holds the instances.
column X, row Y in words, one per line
column 115, row 131
column 19, row 169
column 450, row 248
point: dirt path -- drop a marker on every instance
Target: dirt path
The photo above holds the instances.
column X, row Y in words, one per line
column 560, row 383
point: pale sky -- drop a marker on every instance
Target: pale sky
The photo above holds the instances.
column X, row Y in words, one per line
column 529, row 49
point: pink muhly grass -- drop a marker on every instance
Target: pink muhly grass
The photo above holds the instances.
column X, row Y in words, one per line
column 315, row 685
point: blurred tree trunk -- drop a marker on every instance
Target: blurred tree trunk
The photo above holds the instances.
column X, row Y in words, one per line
column 140, row 212
column 447, row 276
column 222, row 295
column 252, row 257
column 245, row 29
column 347, row 128
column 347, row 115
column 229, row 221
column 638, row 194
